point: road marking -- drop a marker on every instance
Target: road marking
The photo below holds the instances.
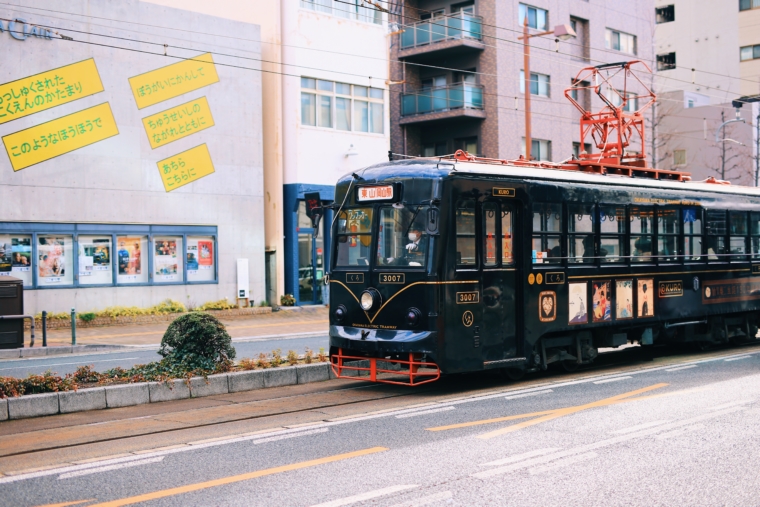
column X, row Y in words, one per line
column 67, row 504
column 425, row 412
column 679, row 431
column 527, row 395
column 736, row 358
column 68, row 364
column 489, row 421
column 608, row 380
column 293, row 435
column 426, row 500
column 644, row 426
column 729, row 405
column 682, row 368
column 108, row 468
column 366, row 496
column 237, row 478
column 563, row 463
column 520, row 457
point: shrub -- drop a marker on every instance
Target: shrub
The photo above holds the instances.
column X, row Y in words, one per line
column 322, row 356
column 247, row 364
column 308, row 357
column 222, row 304
column 287, row 300
column 292, row 357
column 277, row 357
column 263, row 361
column 87, row 317
column 167, row 306
column 264, row 303
column 85, row 374
column 197, row 340
column 121, row 311
column 10, row 387
column 36, row 384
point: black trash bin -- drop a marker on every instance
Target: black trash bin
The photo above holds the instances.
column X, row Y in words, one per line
column 11, row 303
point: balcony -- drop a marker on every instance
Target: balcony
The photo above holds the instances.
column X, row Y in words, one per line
column 453, row 35
column 442, row 103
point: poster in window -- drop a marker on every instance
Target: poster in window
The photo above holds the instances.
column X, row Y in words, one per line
column 624, row 299
column 94, row 255
column 52, row 259
column 206, row 254
column 645, row 299
column 165, row 259
column 22, row 253
column 6, row 262
column 602, row 307
column 577, row 303
column 130, row 256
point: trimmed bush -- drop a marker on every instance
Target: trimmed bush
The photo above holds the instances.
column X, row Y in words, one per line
column 198, row 340
column 287, row 300
column 222, row 304
column 87, row 317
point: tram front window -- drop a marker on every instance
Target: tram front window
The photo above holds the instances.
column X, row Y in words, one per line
column 354, row 237
column 402, row 240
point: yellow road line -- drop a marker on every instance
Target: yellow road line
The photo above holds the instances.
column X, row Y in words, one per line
column 236, row 478
column 66, row 504
column 489, row 421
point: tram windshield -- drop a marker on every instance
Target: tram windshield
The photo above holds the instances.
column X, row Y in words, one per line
column 354, row 237
column 402, row 240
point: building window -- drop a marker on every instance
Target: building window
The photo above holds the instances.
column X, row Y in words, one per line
column 469, row 144
column 539, row 84
column 132, row 265
column 665, row 14
column 666, row 61
column 540, row 149
column 547, row 223
column 435, row 149
column 745, row 5
column 537, row 18
column 95, row 260
column 690, row 103
column 16, row 257
column 679, row 157
column 616, row 97
column 749, row 52
column 577, row 149
column 55, row 260
column 349, row 9
column 342, row 106
column 620, row 41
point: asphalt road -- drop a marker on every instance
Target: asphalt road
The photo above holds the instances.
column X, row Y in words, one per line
column 105, row 360
column 684, row 434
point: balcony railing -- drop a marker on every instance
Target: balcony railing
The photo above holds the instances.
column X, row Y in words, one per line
column 445, row 98
column 456, row 26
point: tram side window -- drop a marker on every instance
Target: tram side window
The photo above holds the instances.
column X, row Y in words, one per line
column 354, row 237
column 547, row 223
column 642, row 234
column 507, row 233
column 580, row 228
column 669, row 230
column 716, row 234
column 490, row 234
column 612, row 227
column 738, row 235
column 692, row 234
column 754, row 230
column 465, row 232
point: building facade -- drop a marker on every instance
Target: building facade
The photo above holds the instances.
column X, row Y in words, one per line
column 133, row 166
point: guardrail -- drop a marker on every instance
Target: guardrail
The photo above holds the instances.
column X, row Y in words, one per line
column 456, row 26
column 430, row 100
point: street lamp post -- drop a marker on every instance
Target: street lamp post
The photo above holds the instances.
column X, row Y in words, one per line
column 561, row 32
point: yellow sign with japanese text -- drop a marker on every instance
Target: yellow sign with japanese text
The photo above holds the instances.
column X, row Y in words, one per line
column 63, row 135
column 185, row 167
column 178, row 122
column 48, row 89
column 173, row 80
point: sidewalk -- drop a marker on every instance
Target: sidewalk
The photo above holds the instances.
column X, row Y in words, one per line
column 299, row 320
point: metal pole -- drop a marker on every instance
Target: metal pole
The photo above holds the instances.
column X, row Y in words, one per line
column 44, row 328
column 723, row 150
column 73, row 326
column 526, row 66
column 757, row 149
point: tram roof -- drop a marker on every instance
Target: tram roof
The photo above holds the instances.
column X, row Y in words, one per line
column 435, row 168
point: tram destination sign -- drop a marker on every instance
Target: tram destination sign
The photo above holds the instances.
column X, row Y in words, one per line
column 377, row 193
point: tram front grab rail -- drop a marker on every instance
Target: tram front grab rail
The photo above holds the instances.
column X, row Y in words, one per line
column 337, row 362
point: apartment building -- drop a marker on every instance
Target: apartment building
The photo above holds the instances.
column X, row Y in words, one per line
column 458, row 69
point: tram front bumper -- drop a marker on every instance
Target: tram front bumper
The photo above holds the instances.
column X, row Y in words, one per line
column 383, row 342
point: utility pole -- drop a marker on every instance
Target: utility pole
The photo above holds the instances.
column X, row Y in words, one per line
column 723, row 148
column 757, row 148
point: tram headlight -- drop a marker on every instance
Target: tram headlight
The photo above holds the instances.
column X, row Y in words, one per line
column 412, row 317
column 340, row 313
column 370, row 299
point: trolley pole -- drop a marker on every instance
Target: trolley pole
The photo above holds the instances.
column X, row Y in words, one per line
column 44, row 328
column 73, row 326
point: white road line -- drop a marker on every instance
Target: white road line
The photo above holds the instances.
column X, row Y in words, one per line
column 563, row 463
column 729, row 405
column 293, row 435
column 426, row 500
column 108, row 468
column 69, row 364
column 527, row 395
column 679, row 431
column 644, row 426
column 601, row 444
column 682, row 367
column 520, row 457
column 366, row 496
column 736, row 358
column 608, row 380
column 425, row 412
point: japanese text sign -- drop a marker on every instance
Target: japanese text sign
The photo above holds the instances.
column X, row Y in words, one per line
column 178, row 122
column 48, row 89
column 62, row 135
column 185, row 167
column 173, row 80
column 375, row 193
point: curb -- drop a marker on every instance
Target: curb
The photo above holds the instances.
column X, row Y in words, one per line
column 27, row 352
column 128, row 395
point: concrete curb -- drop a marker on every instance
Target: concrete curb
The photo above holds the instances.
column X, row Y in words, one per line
column 128, row 395
column 57, row 351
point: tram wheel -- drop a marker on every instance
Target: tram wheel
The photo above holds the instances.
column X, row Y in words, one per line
column 570, row 365
column 513, row 373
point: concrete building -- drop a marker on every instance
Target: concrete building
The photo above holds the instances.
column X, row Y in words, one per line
column 132, row 174
column 461, row 65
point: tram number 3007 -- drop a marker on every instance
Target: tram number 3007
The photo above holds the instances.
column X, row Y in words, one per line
column 464, row 298
column 392, row 278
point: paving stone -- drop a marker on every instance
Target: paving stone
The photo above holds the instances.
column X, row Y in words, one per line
column 246, row 380
column 4, row 410
column 312, row 372
column 81, row 400
column 276, row 377
column 33, row 405
column 127, row 395
column 214, row 384
column 168, row 391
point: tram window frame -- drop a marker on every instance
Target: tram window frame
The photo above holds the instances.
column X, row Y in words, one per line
column 690, row 236
column 716, row 231
column 574, row 235
column 489, row 219
column 507, row 213
column 674, row 238
column 459, row 236
column 754, row 235
column 543, row 235
column 339, row 241
column 620, row 217
column 737, row 235
column 634, row 237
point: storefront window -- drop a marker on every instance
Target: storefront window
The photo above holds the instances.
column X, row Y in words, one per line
column 200, row 259
column 95, row 266
column 167, row 261
column 16, row 257
column 131, row 263
column 54, row 260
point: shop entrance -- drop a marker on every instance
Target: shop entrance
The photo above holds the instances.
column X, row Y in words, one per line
column 311, row 261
